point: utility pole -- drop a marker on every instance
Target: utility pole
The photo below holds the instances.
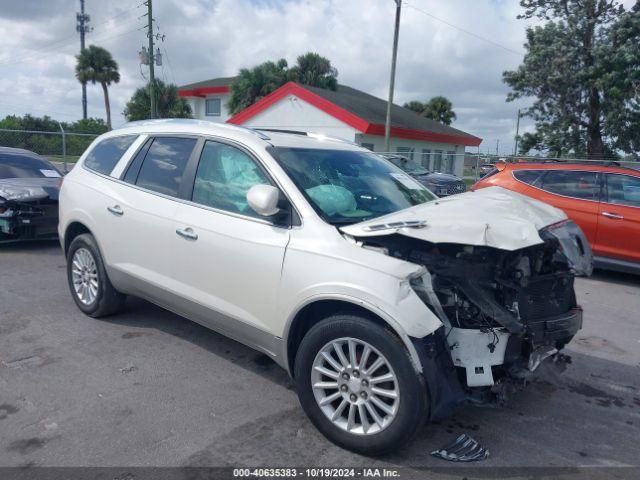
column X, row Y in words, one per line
column 83, row 27
column 497, row 146
column 152, row 95
column 394, row 55
column 515, row 150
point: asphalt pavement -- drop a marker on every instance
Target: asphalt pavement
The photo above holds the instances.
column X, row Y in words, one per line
column 149, row 388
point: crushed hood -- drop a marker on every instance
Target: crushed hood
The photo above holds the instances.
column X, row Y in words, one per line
column 29, row 189
column 492, row 217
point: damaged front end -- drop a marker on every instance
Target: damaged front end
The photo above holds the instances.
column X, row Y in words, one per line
column 28, row 212
column 503, row 311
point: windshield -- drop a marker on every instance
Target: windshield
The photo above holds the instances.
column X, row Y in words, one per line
column 24, row 166
column 348, row 187
column 408, row 166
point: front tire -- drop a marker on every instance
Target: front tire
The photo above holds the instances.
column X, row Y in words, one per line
column 90, row 286
column 356, row 383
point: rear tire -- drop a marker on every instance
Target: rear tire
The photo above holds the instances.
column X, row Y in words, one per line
column 363, row 424
column 90, row 286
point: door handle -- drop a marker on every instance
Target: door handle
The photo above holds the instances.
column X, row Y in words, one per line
column 615, row 216
column 187, row 233
column 116, row 210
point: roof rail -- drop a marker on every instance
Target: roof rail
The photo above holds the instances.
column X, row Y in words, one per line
column 281, row 130
column 320, row 136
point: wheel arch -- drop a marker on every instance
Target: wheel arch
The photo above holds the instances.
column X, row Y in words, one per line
column 74, row 229
column 318, row 308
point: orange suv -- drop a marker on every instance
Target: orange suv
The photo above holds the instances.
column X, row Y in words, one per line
column 603, row 199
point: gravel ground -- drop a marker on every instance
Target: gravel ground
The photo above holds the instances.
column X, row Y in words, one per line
column 149, row 388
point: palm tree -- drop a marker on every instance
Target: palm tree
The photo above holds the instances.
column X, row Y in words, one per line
column 315, row 70
column 169, row 104
column 252, row 84
column 96, row 65
column 416, row 106
column 439, row 109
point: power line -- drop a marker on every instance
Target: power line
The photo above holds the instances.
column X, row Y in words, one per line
column 43, row 55
column 169, row 64
column 44, row 51
column 475, row 35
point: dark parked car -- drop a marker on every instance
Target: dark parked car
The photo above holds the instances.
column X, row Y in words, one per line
column 442, row 184
column 486, row 169
column 29, row 188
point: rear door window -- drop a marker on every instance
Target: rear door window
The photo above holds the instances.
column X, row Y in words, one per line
column 104, row 156
column 623, row 190
column 572, row 183
column 164, row 164
column 530, row 177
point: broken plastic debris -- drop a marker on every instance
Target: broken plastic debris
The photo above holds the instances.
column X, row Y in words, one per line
column 463, row 449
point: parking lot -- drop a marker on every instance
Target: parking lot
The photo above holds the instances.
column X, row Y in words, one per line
column 149, row 388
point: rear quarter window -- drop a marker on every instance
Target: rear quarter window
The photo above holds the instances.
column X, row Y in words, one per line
column 530, row 177
column 104, row 156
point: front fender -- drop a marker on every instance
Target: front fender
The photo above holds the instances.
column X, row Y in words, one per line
column 409, row 319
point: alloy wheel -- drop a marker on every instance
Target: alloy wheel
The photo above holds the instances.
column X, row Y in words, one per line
column 355, row 386
column 84, row 274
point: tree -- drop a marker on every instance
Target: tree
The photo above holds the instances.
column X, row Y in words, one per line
column 581, row 67
column 252, row 84
column 315, row 70
column 416, row 106
column 96, row 65
column 168, row 103
column 49, row 144
column 438, row 108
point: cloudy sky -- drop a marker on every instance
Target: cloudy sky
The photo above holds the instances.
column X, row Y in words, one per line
column 456, row 48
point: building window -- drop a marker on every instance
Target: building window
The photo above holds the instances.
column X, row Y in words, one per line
column 451, row 161
column 212, row 107
column 437, row 161
column 368, row 146
column 426, row 158
column 406, row 152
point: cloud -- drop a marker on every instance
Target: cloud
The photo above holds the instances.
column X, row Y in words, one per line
column 211, row 38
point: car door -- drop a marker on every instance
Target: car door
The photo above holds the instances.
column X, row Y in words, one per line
column 619, row 227
column 142, row 213
column 229, row 259
column 576, row 192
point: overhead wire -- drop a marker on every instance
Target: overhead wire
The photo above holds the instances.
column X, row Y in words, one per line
column 464, row 30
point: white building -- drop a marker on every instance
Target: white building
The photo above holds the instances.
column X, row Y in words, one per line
column 345, row 113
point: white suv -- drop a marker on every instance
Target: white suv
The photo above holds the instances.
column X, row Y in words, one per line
column 386, row 304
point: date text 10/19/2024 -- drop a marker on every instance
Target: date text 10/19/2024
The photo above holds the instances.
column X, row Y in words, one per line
column 316, row 472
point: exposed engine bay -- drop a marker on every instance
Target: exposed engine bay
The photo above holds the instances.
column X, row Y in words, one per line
column 503, row 311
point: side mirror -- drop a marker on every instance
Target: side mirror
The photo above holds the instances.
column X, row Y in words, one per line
column 263, row 199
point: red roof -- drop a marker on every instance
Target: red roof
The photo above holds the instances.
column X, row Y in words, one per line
column 357, row 109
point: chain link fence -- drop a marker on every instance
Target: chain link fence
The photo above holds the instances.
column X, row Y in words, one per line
column 60, row 147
